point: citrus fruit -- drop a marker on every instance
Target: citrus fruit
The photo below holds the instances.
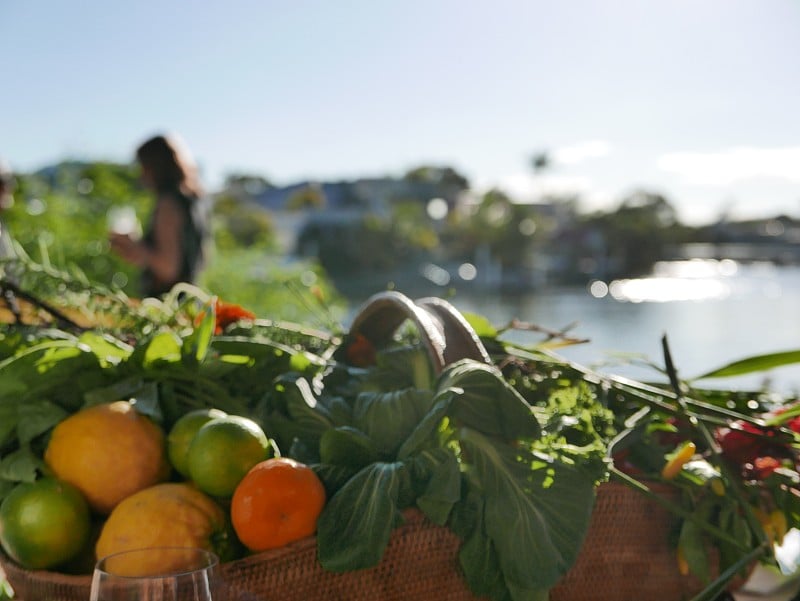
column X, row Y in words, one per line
column 108, row 452
column 277, row 502
column 171, row 514
column 222, row 452
column 182, row 433
column 43, row 523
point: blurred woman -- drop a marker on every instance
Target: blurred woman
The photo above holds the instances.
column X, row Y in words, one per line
column 173, row 246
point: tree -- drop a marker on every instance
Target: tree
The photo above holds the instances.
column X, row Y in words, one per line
column 638, row 233
column 540, row 161
column 242, row 223
column 252, row 185
column 307, row 197
column 446, row 177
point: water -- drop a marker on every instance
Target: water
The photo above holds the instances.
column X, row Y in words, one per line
column 711, row 312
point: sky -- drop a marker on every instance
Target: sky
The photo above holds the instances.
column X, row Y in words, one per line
column 693, row 99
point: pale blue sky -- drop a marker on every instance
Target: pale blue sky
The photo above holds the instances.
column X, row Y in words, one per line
column 697, row 99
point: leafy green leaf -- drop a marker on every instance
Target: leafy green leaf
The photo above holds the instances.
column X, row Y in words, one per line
column 691, row 545
column 122, row 389
column 482, row 326
column 309, row 417
column 146, row 400
column 348, row 447
column 9, row 416
column 753, row 364
column 487, row 402
column 37, row 418
column 45, row 367
column 256, row 348
column 427, row 427
column 479, row 562
column 440, row 468
column 6, row 486
column 388, row 418
column 400, row 367
column 535, row 513
column 109, row 350
column 20, row 465
column 195, row 346
column 357, row 522
column 164, row 347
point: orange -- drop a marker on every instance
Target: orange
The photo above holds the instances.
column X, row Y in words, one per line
column 277, row 502
column 108, row 452
column 165, row 515
column 44, row 523
column 222, row 452
column 182, row 433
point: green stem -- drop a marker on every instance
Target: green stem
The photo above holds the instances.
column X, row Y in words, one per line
column 676, row 509
column 730, row 477
column 715, row 588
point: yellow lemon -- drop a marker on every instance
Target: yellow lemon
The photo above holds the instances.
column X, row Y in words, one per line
column 165, row 515
column 108, row 452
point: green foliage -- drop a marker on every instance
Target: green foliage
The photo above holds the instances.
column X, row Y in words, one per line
column 60, row 219
column 268, row 287
column 64, row 219
column 468, row 451
column 170, row 371
column 636, row 234
column 240, row 224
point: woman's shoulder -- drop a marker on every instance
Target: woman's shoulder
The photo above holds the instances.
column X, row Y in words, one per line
column 176, row 200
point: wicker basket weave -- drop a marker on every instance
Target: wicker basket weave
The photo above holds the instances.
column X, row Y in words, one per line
column 626, row 555
column 419, row 563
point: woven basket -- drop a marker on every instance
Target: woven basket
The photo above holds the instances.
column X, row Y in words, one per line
column 626, row 555
column 419, row 563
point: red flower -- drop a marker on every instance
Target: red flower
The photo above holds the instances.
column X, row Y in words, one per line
column 228, row 313
column 360, row 352
column 742, row 442
column 764, row 466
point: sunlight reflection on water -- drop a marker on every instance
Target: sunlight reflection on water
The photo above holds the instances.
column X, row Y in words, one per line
column 693, row 280
column 713, row 312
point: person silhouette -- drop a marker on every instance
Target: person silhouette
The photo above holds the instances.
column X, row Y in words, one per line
column 174, row 245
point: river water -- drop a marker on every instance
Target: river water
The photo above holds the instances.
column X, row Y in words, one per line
column 712, row 312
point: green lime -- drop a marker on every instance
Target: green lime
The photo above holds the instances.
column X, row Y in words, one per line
column 44, row 523
column 223, row 451
column 182, row 433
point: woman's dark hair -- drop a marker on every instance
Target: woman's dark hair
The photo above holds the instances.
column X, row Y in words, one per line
column 170, row 165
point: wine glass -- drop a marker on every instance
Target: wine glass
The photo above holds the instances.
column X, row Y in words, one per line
column 122, row 220
column 157, row 574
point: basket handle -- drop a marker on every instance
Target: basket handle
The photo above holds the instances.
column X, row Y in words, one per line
column 443, row 330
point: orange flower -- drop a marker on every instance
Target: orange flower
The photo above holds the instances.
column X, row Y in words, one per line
column 228, row 313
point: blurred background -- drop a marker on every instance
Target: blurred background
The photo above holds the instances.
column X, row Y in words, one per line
column 616, row 170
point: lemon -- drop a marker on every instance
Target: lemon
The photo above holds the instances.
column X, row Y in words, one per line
column 223, row 451
column 171, row 514
column 108, row 452
column 44, row 523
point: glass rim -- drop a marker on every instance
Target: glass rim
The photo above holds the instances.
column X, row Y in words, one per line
column 211, row 556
